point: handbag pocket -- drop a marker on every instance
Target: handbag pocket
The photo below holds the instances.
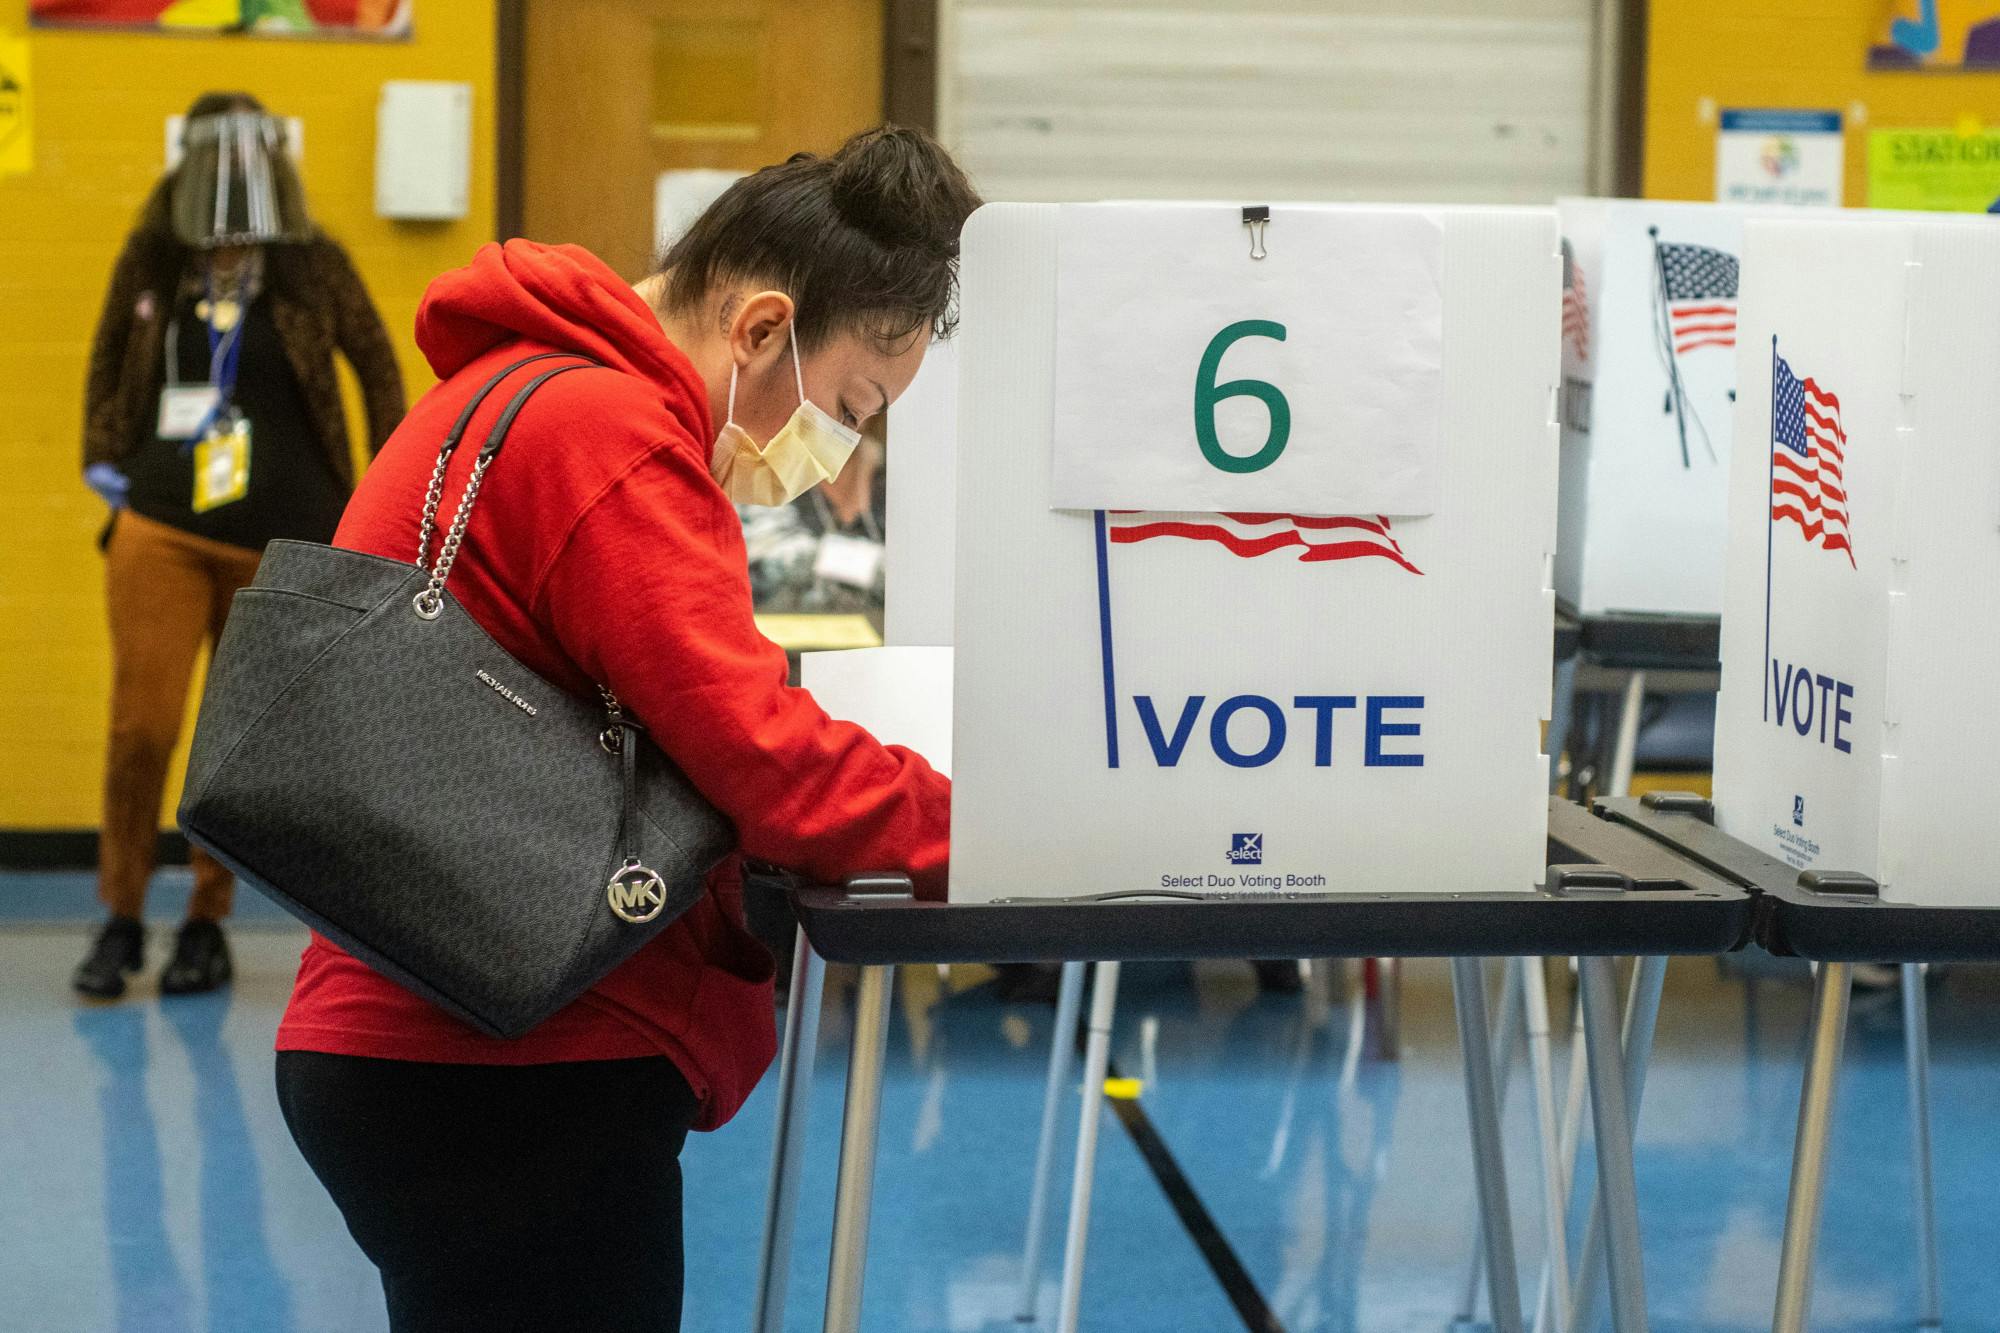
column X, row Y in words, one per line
column 271, row 639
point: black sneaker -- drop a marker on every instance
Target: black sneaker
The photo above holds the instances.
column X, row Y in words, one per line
column 120, row 948
column 200, row 962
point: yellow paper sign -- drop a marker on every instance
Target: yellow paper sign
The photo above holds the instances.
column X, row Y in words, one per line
column 17, row 140
column 1955, row 170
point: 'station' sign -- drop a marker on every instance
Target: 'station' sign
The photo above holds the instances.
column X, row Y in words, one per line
column 1191, row 376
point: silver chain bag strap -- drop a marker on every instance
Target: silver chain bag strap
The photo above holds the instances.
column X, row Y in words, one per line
column 370, row 758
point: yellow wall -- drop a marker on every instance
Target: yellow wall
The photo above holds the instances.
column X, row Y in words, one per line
column 1705, row 56
column 100, row 101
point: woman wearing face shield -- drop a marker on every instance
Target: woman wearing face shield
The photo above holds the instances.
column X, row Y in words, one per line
column 534, row 1183
column 212, row 426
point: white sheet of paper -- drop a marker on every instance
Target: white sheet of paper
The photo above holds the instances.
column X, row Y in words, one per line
column 1162, row 312
column 902, row 696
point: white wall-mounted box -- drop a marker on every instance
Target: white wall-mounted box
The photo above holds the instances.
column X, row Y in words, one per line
column 423, row 150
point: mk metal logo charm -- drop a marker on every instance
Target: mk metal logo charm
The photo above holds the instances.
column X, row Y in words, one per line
column 637, row 895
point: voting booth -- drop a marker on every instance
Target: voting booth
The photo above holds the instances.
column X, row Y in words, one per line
column 1854, row 731
column 1254, row 526
column 901, row 692
column 1649, row 380
column 923, row 471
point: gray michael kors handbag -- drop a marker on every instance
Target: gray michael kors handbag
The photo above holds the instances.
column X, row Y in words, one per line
column 370, row 758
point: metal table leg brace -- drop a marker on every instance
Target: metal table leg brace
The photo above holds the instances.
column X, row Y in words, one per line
column 1802, row 1210
column 1096, row 1060
column 1917, row 1054
column 795, row 1076
column 1642, row 1012
column 1555, row 1184
column 1612, row 1121
column 1503, row 1282
column 1062, row 1051
column 1507, row 1027
column 854, row 1194
column 1549, row 1297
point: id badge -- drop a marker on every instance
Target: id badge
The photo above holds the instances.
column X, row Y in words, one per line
column 183, row 409
column 853, row 561
column 222, row 465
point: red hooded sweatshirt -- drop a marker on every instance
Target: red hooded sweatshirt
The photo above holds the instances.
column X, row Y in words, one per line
column 601, row 552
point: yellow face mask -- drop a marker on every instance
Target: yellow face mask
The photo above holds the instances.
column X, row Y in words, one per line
column 811, row 448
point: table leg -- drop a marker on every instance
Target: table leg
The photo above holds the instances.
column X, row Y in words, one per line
column 859, row 1125
column 1829, row 1032
column 1062, row 1052
column 1917, row 1053
column 1642, row 1012
column 795, row 1076
column 1625, row 753
column 1555, row 1188
column 1503, row 1281
column 1548, row 1295
column 1562, row 708
column 1611, row 1118
column 1506, row 1040
column 1096, row 1061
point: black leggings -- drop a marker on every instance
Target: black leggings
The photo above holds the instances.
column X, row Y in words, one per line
column 493, row 1198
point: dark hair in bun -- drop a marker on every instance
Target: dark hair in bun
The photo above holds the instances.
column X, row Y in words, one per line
column 866, row 238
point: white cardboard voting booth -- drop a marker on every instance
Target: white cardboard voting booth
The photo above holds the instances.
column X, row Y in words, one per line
column 923, row 448
column 1855, row 729
column 1649, row 369
column 1272, row 693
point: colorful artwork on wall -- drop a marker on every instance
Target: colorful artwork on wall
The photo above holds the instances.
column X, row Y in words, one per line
column 1937, row 35
column 273, row 18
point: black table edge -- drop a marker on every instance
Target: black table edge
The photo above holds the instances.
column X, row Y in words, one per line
column 1795, row 920
column 1612, row 890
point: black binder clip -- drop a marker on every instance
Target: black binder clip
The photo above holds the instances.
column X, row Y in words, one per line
column 1257, row 217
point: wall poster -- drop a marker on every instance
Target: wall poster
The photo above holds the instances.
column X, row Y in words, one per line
column 1937, row 35
column 274, row 18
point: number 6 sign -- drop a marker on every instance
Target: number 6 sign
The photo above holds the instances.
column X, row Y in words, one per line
column 1316, row 372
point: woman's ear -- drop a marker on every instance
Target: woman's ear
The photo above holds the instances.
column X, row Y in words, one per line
column 759, row 327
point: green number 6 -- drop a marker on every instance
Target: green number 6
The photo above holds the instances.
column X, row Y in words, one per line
column 1207, row 393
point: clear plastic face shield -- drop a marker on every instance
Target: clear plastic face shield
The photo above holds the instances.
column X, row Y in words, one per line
column 236, row 184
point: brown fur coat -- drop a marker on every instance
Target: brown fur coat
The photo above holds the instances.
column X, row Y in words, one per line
column 317, row 302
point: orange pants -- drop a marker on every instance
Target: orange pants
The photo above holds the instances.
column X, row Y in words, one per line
column 168, row 591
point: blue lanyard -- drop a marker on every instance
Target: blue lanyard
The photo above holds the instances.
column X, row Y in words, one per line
column 225, row 349
column 225, row 354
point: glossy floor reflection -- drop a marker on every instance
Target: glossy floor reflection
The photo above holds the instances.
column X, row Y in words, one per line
column 149, row 1183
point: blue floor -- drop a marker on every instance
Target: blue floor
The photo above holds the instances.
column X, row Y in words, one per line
column 147, row 1182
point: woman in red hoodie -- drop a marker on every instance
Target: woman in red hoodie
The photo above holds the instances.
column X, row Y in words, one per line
column 534, row 1183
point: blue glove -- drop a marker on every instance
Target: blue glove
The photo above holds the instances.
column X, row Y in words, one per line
column 109, row 483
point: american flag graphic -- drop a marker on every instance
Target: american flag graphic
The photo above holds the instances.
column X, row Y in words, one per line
column 1808, row 459
column 1576, row 304
column 1314, row 539
column 1699, row 282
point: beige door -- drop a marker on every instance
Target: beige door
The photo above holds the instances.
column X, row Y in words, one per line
column 616, row 92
